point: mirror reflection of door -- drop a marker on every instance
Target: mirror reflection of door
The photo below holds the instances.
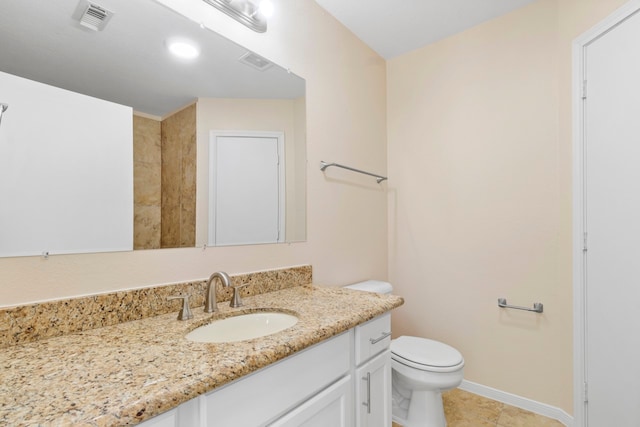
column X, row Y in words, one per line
column 246, row 188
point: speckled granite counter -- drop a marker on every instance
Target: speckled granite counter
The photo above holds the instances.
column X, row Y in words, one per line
column 129, row 372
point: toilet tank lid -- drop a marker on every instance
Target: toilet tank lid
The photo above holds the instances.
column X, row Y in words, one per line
column 377, row 286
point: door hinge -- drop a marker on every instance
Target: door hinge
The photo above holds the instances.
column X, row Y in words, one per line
column 585, row 392
column 584, row 242
column 584, row 89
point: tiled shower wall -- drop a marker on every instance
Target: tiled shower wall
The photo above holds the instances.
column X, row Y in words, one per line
column 179, row 179
column 146, row 183
column 165, row 180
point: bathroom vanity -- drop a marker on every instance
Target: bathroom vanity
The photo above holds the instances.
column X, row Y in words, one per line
column 314, row 386
column 331, row 368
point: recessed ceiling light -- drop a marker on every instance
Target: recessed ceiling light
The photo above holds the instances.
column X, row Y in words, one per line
column 183, row 49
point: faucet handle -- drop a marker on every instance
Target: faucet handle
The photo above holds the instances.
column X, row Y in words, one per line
column 236, row 301
column 185, row 312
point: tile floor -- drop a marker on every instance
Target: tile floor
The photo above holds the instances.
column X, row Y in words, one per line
column 464, row 409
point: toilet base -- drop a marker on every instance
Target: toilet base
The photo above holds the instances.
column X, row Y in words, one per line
column 424, row 410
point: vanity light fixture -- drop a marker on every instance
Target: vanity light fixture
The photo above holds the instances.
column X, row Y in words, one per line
column 246, row 12
column 183, row 49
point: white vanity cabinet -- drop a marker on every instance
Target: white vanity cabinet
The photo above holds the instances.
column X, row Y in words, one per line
column 312, row 387
column 342, row 382
column 372, row 376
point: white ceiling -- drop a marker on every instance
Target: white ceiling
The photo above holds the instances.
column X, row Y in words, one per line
column 394, row 27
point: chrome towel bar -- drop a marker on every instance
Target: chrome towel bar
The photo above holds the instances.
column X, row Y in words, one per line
column 324, row 165
column 537, row 306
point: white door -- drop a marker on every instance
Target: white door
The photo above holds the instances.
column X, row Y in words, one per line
column 612, row 223
column 246, row 199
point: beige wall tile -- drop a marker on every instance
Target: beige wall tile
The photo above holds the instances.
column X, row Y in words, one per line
column 147, row 183
column 179, row 179
column 146, row 227
column 146, row 137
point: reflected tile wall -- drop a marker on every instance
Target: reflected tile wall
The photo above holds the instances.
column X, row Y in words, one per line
column 179, row 179
column 146, row 183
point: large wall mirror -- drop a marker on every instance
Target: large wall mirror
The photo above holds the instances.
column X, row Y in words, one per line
column 109, row 142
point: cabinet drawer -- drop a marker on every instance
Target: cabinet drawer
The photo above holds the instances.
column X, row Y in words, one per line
column 373, row 337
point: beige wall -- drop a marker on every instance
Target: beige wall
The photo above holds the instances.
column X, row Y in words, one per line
column 296, row 227
column 347, row 220
column 479, row 137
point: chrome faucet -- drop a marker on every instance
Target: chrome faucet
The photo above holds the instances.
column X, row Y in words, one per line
column 210, row 304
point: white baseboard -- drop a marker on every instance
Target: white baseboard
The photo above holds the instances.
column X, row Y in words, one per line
column 518, row 401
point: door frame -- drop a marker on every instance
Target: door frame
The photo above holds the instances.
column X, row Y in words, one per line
column 580, row 45
column 213, row 141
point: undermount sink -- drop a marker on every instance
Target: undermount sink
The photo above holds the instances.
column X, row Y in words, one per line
column 243, row 327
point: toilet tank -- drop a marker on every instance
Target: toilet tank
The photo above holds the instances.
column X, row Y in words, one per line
column 376, row 286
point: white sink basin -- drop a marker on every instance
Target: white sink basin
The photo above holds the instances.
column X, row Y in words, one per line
column 243, row 327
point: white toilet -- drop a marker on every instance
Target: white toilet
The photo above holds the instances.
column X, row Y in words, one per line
column 421, row 370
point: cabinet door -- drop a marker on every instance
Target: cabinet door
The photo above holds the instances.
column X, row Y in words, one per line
column 168, row 419
column 373, row 392
column 274, row 390
column 331, row 407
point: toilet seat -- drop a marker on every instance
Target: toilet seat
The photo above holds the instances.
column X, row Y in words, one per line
column 425, row 354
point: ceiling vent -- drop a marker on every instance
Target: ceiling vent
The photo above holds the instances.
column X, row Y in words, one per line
column 255, row 61
column 93, row 16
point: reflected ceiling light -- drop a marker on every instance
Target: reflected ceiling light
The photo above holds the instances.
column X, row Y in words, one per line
column 183, row 49
column 265, row 8
column 246, row 12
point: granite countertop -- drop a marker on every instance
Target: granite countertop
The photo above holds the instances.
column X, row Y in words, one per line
column 130, row 372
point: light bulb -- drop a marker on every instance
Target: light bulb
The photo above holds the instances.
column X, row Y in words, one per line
column 266, row 8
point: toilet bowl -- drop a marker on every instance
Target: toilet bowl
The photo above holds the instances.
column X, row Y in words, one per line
column 421, row 370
